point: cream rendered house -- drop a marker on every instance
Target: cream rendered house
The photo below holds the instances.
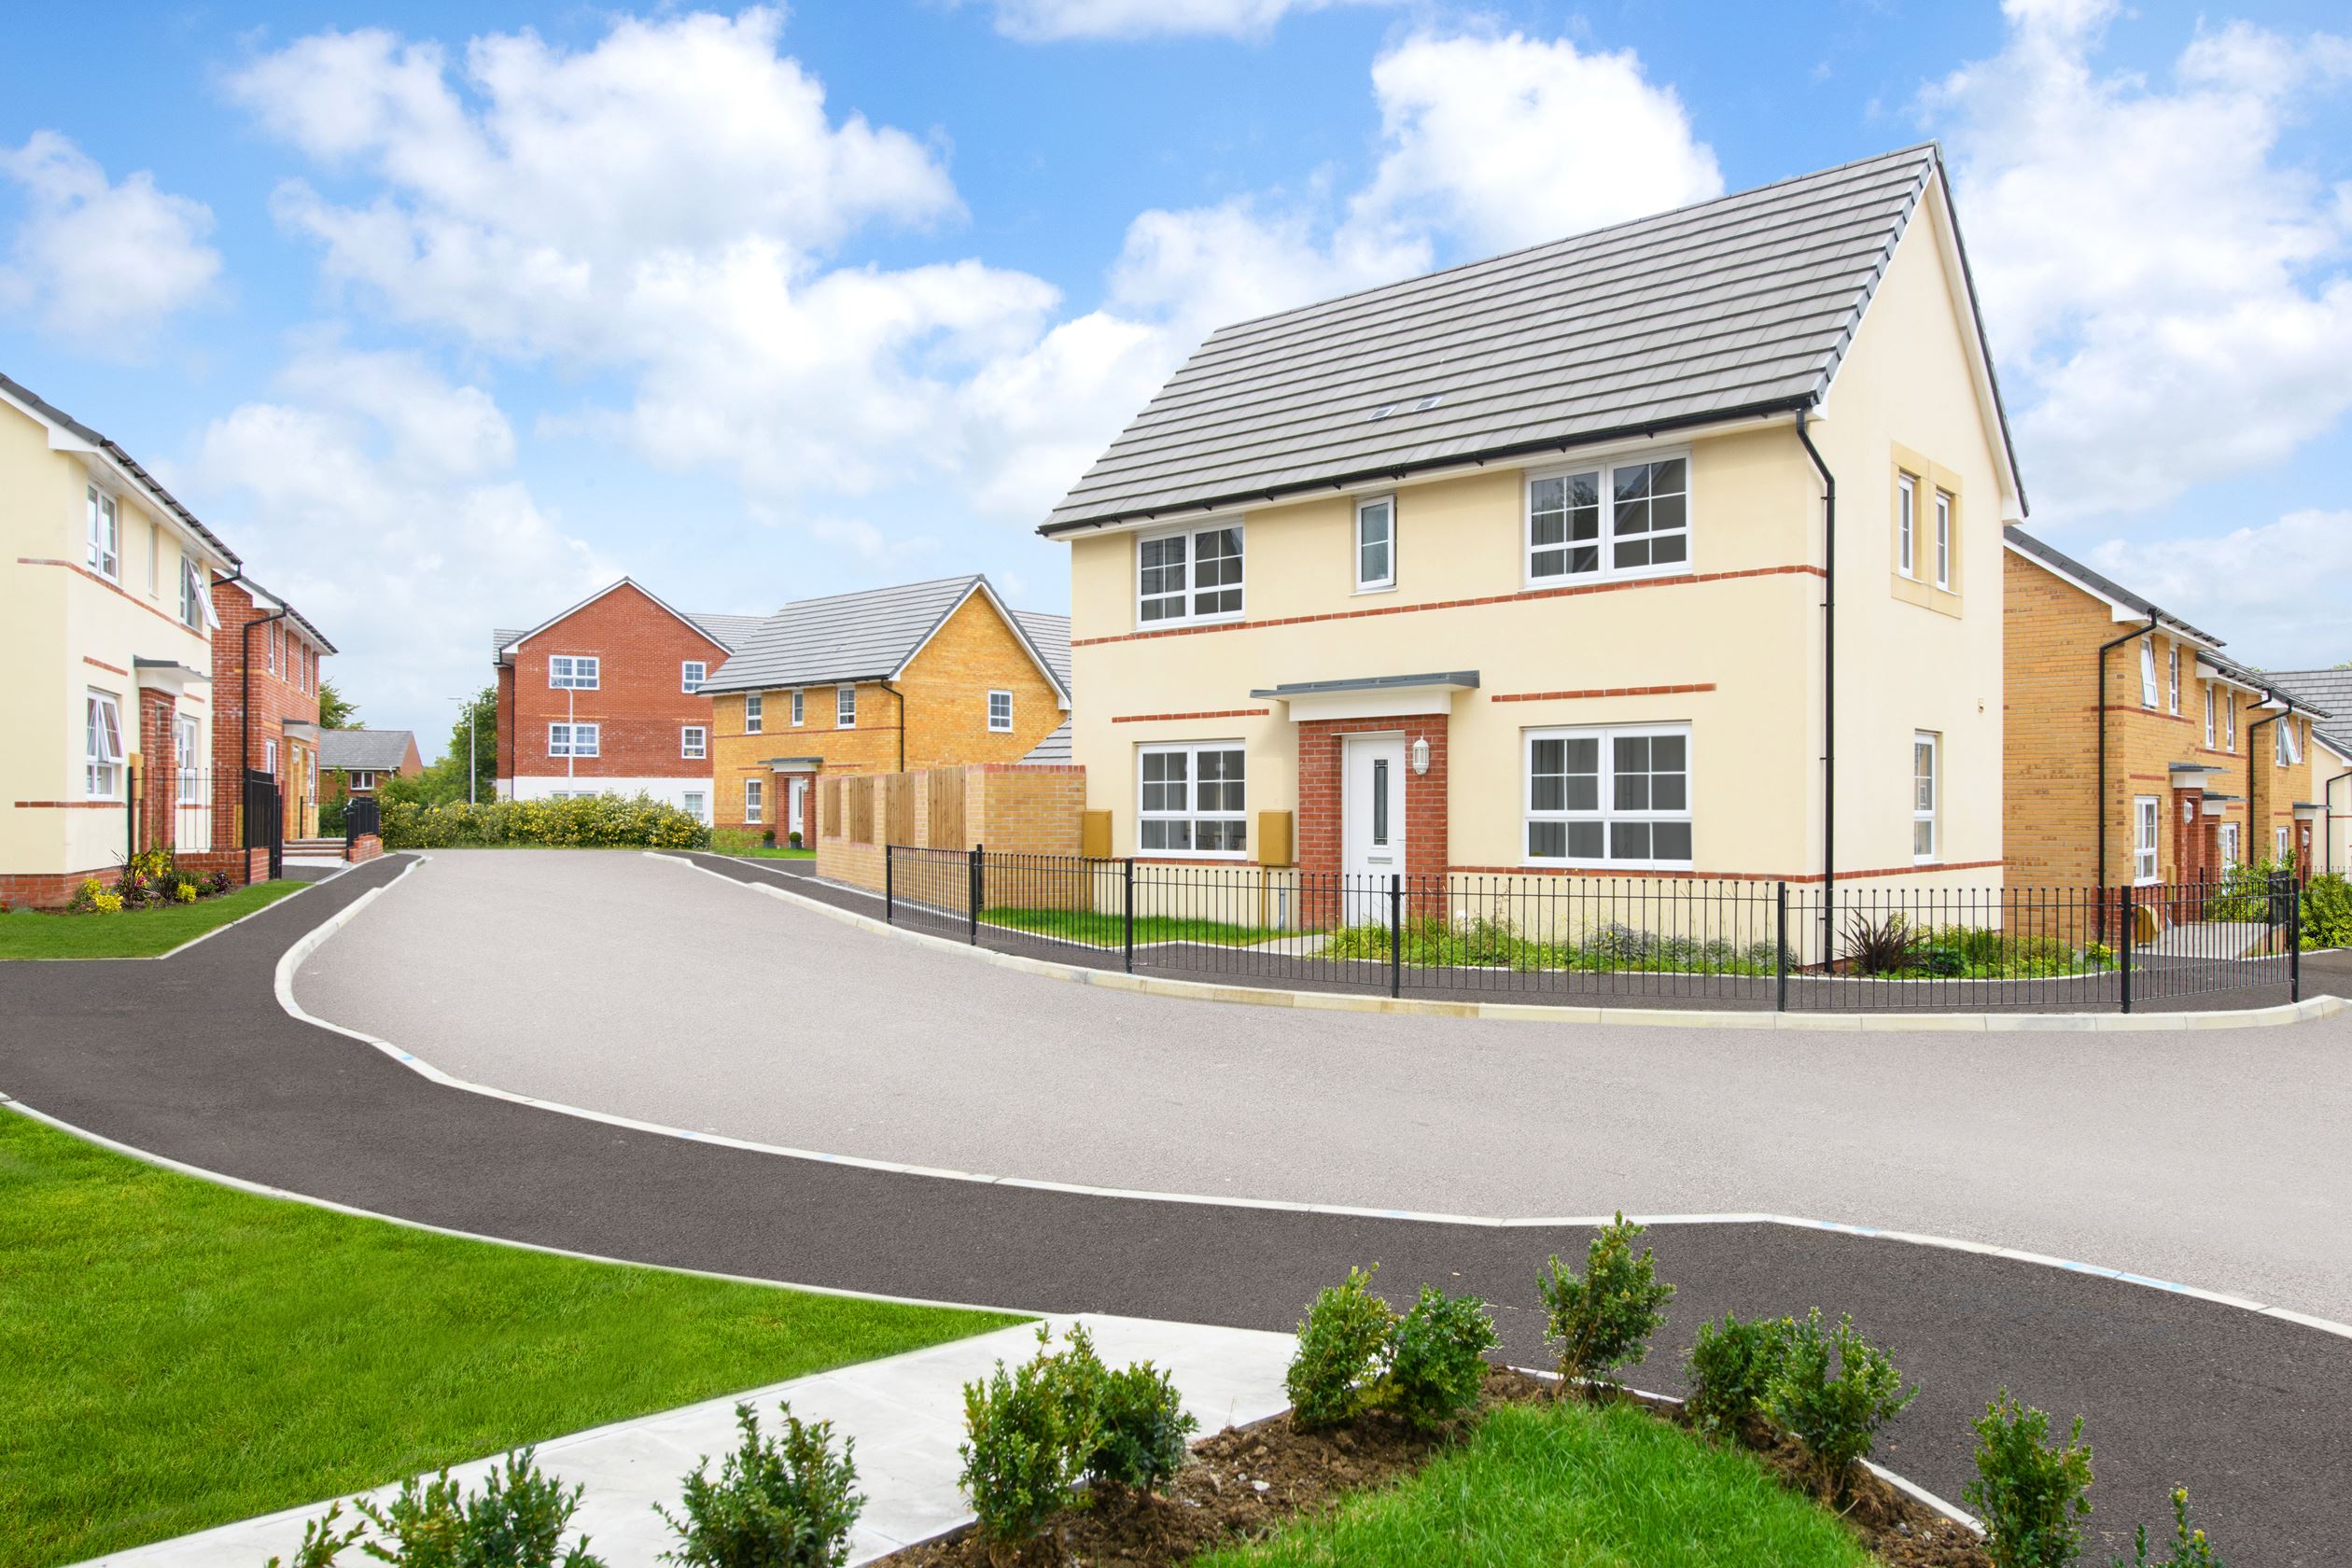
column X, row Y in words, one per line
column 106, row 628
column 1527, row 566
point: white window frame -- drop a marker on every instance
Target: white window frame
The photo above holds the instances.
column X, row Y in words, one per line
column 582, row 672
column 2172, row 671
column 1192, row 534
column 188, row 759
column 2148, row 672
column 579, row 739
column 692, row 673
column 361, row 780
column 845, row 708
column 2208, row 686
column 1907, row 525
column 997, row 726
column 693, row 741
column 2229, row 847
column 698, row 803
column 1944, row 504
column 1931, row 814
column 1604, row 811
column 270, row 647
column 797, row 708
column 102, row 745
column 752, row 791
column 2282, row 844
column 2229, row 722
column 102, row 549
column 2147, row 835
column 1191, row 811
column 1366, row 582
column 754, row 712
column 1605, row 541
column 269, row 757
column 2287, row 749
column 192, row 595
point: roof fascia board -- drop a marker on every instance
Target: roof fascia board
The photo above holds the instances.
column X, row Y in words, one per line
column 2208, row 671
column 1020, row 633
column 617, row 583
column 76, row 442
column 2122, row 614
column 1954, row 251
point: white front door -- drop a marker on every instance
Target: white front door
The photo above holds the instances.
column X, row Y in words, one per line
column 795, row 792
column 1372, row 824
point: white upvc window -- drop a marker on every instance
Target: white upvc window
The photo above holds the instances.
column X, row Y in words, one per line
column 1376, row 544
column 1943, row 539
column 2229, row 721
column 2172, row 668
column 2148, row 672
column 2229, row 836
column 1927, row 795
column 269, row 758
column 2280, row 847
column 2148, row 818
column 1193, row 800
column 692, row 673
column 753, row 790
column 798, row 708
column 572, row 672
column 693, row 741
column 2208, row 686
column 845, row 708
column 1615, row 797
column 1189, row 576
column 187, row 747
column 192, row 595
column 1620, row 520
column 697, row 807
column 574, row 740
column 1906, row 525
column 102, row 551
column 362, row 781
column 269, row 647
column 155, row 559
column 2288, row 747
column 1000, row 712
column 753, row 706
column 102, row 746
column 312, row 769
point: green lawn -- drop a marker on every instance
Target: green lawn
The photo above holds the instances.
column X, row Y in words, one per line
column 134, row 933
column 1106, row 930
column 767, row 852
column 1567, row 1486
column 175, row 1354
column 742, row 840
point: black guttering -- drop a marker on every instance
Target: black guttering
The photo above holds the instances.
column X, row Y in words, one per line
column 2099, row 805
column 1828, row 679
column 1391, row 471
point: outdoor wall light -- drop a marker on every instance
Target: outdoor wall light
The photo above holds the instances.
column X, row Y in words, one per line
column 1421, row 754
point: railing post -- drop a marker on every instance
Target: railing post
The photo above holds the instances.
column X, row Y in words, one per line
column 2124, row 940
column 1780, row 952
column 2294, row 937
column 977, row 889
column 1127, row 919
column 889, row 884
column 1396, row 934
column 130, row 815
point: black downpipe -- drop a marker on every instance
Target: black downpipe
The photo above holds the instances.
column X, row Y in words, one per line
column 1829, row 686
column 2254, row 845
column 2099, row 815
column 244, row 719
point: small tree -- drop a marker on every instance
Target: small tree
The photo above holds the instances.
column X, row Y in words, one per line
column 1342, row 1350
column 2032, row 1497
column 1836, row 1417
column 1731, row 1370
column 335, row 710
column 1603, row 1318
column 517, row 1521
column 1437, row 1358
column 784, row 1502
column 1027, row 1443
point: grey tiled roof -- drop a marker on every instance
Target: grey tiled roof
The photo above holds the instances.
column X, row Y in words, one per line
column 1743, row 304
column 2050, row 555
column 864, row 636
column 2325, row 692
column 52, row 411
column 374, row 750
column 729, row 632
column 1051, row 634
column 1054, row 749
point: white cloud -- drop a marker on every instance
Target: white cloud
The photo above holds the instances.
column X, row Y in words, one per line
column 100, row 263
column 1510, row 141
column 379, row 500
column 2173, row 288
column 2285, row 612
column 1052, row 21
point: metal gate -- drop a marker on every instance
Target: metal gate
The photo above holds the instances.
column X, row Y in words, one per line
column 265, row 819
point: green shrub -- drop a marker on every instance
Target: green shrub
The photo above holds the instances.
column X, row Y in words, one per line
column 1437, row 1358
column 1731, row 1370
column 1887, row 946
column 1342, row 1346
column 2030, row 1496
column 322, row 1541
column 599, row 821
column 2190, row 1547
column 1144, row 1429
column 517, row 1521
column 1836, row 1417
column 783, row 1502
column 330, row 817
column 1605, row 1318
column 1027, row 1443
column 2327, row 911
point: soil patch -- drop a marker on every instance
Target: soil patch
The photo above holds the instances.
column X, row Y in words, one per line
column 1245, row 1482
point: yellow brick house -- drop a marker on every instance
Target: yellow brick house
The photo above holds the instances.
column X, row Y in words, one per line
column 921, row 675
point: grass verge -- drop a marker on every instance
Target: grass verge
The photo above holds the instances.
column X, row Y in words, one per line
column 1108, row 931
column 1569, row 1486
column 134, row 933
column 175, row 1354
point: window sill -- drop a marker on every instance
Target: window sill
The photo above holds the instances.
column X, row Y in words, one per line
column 1189, row 622
column 1588, row 580
column 1532, row 864
column 1371, row 590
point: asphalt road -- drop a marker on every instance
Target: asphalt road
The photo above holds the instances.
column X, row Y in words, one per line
column 2215, row 1158
column 191, row 1058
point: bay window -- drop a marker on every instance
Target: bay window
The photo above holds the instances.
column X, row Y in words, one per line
column 1193, row 798
column 1190, row 575
column 1629, row 519
column 1609, row 797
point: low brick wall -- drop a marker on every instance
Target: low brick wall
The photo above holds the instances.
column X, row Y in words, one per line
column 367, row 847
column 55, row 890
column 1012, row 808
column 243, row 865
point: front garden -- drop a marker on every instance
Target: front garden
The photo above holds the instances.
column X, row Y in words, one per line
column 149, row 908
column 175, row 1354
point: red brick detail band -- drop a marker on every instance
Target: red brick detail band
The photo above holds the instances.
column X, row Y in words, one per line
column 110, row 586
column 1521, row 596
column 70, row 806
column 1168, row 717
column 1604, row 691
column 110, row 669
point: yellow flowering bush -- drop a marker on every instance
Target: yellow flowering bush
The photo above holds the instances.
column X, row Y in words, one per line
column 107, row 904
column 597, row 822
column 184, row 892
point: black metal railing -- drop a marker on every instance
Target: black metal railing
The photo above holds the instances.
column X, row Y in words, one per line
column 361, row 816
column 1655, row 941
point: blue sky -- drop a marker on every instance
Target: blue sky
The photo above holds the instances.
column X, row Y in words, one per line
column 445, row 314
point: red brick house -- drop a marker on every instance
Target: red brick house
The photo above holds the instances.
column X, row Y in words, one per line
column 606, row 697
column 361, row 761
column 265, row 669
